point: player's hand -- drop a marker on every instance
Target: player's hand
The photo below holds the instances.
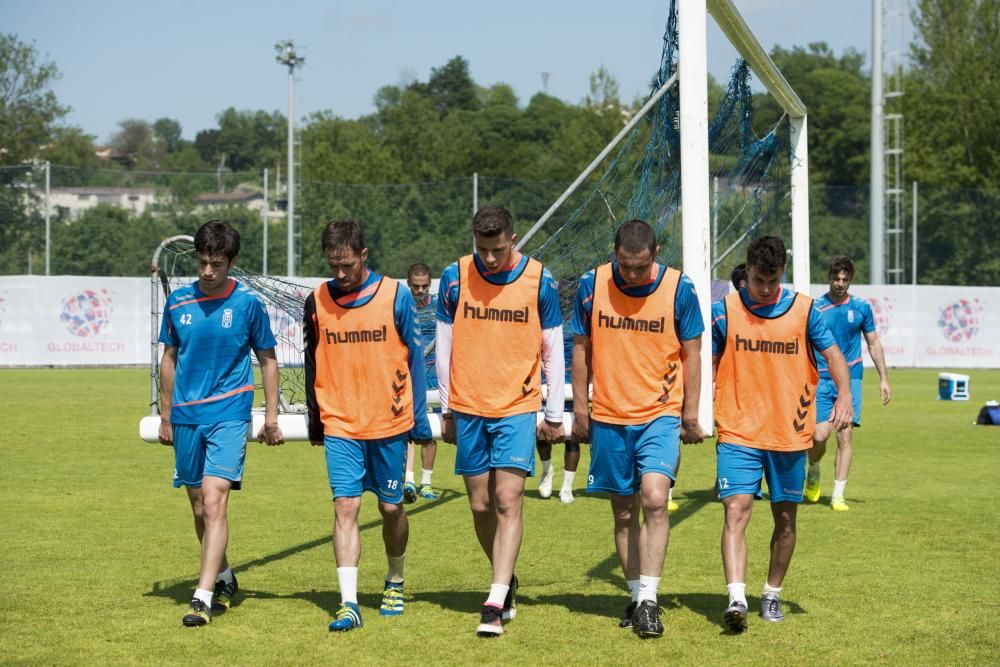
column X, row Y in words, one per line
column 842, row 414
column 550, row 432
column 581, row 426
column 448, row 430
column 316, row 443
column 691, row 431
column 885, row 391
column 166, row 434
column 271, row 434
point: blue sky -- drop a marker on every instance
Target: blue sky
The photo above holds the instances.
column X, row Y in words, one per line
column 190, row 60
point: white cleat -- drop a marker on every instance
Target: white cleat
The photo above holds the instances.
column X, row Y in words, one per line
column 545, row 485
column 566, row 497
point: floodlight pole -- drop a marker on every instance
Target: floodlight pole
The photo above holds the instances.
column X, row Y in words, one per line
column 48, row 218
column 287, row 56
column 263, row 265
column 877, row 166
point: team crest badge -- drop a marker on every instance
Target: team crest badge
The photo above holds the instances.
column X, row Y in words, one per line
column 227, row 318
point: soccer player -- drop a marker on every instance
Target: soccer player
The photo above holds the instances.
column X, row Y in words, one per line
column 418, row 279
column 637, row 331
column 206, row 394
column 366, row 399
column 498, row 323
column 764, row 341
column 848, row 318
column 739, row 277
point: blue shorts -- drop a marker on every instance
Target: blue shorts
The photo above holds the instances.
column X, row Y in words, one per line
column 487, row 443
column 215, row 450
column 621, row 454
column 739, row 470
column 826, row 394
column 356, row 466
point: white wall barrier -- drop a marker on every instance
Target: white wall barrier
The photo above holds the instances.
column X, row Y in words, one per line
column 88, row 321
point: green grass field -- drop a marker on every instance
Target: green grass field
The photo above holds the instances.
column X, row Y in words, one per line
column 99, row 556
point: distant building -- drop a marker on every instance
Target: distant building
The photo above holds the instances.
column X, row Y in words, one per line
column 253, row 201
column 72, row 202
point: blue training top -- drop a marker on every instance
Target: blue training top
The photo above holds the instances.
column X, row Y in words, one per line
column 847, row 321
column 818, row 334
column 213, row 335
column 687, row 311
column 548, row 295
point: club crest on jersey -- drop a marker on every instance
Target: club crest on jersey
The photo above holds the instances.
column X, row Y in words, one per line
column 227, row 318
column 850, row 316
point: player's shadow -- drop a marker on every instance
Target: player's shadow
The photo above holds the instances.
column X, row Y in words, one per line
column 712, row 606
column 179, row 590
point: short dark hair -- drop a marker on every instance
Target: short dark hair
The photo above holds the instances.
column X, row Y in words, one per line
column 739, row 275
column 493, row 221
column 767, row 253
column 418, row 269
column 635, row 236
column 343, row 234
column 217, row 237
column 840, row 263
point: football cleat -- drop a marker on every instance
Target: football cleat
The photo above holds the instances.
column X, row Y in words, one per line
column 392, row 599
column 647, row 619
column 409, row 493
column 222, row 599
column 490, row 624
column 735, row 616
column 839, row 505
column 198, row 614
column 770, row 608
column 672, row 505
column 626, row 621
column 510, row 602
column 566, row 497
column 545, row 485
column 348, row 618
column 427, row 493
column 812, row 490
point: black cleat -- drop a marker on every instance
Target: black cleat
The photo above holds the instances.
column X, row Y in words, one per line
column 510, row 602
column 222, row 599
column 198, row 614
column 647, row 619
column 627, row 621
column 490, row 624
column 735, row 617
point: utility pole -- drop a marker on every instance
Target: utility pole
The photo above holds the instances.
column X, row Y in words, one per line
column 877, row 164
column 288, row 57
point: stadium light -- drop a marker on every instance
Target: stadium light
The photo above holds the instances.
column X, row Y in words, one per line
column 289, row 58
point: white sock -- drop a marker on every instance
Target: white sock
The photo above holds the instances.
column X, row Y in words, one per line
column 771, row 590
column 425, row 477
column 838, row 488
column 395, row 571
column 226, row 576
column 670, row 494
column 568, row 476
column 813, row 471
column 347, row 577
column 409, row 477
column 204, row 596
column 737, row 593
column 546, row 466
column 633, row 588
column 647, row 588
column 498, row 593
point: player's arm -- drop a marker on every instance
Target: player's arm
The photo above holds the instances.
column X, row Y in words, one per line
column 582, row 370
column 447, row 302
column 405, row 315
column 270, row 432
column 554, row 361
column 690, row 327
column 878, row 357
column 168, row 366
column 691, row 431
column 311, row 335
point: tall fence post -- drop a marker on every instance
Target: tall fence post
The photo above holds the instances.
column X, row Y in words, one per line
column 263, row 264
column 48, row 219
column 914, row 204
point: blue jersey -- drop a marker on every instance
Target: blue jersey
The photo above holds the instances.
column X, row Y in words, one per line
column 404, row 312
column 548, row 294
column 213, row 335
column 847, row 321
column 687, row 312
column 817, row 333
column 426, row 316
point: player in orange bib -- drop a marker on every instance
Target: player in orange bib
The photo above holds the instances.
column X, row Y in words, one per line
column 763, row 337
column 637, row 333
column 366, row 398
column 498, row 323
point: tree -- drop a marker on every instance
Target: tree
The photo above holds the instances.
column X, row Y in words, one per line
column 603, row 90
column 137, row 143
column 168, row 132
column 953, row 94
column 451, row 87
column 28, row 109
